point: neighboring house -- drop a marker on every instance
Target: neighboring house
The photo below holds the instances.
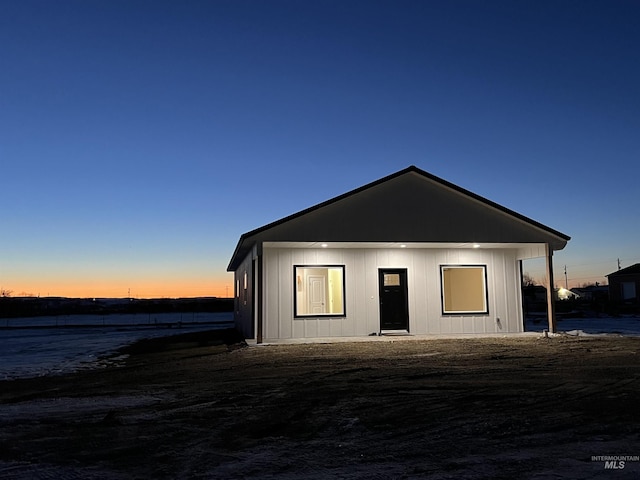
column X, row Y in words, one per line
column 535, row 293
column 592, row 293
column 565, row 294
column 407, row 253
column 534, row 301
column 624, row 285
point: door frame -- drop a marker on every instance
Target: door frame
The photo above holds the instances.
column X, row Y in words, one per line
column 403, row 271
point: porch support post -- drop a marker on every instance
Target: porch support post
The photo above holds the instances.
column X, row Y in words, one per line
column 523, row 308
column 551, row 304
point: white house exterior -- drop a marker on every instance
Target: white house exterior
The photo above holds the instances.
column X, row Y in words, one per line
column 408, row 253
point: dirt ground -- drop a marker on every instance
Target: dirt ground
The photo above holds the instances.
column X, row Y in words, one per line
column 499, row 408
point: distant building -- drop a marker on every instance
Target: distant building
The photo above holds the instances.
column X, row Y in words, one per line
column 592, row 293
column 624, row 285
column 535, row 294
column 564, row 294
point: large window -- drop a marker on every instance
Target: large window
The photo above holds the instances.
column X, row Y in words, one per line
column 464, row 289
column 319, row 290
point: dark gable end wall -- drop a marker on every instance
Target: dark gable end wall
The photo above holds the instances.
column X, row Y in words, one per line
column 410, row 208
column 244, row 301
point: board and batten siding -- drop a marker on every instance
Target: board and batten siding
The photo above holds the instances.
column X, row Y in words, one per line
column 362, row 297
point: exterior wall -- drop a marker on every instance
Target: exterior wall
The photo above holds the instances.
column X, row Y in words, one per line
column 362, row 297
column 616, row 289
column 244, row 298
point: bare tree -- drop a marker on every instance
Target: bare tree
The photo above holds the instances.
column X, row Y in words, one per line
column 5, row 293
column 527, row 280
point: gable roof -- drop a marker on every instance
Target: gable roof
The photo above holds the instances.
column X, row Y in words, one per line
column 408, row 206
column 632, row 270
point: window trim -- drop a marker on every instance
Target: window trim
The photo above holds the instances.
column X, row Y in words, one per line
column 317, row 315
column 445, row 312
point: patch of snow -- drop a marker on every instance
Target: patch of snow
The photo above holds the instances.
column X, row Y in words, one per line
column 628, row 326
column 33, row 352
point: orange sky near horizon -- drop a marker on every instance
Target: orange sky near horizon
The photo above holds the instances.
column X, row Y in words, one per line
column 221, row 286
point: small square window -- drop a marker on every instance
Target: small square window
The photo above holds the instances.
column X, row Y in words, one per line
column 391, row 280
column 464, row 289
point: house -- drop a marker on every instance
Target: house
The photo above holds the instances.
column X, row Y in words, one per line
column 565, row 294
column 624, row 285
column 410, row 252
column 592, row 293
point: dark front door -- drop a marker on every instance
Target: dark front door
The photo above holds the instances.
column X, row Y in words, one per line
column 394, row 307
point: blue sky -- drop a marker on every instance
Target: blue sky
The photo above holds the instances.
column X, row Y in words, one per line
column 139, row 139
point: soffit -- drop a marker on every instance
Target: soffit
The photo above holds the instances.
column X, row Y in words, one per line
column 523, row 250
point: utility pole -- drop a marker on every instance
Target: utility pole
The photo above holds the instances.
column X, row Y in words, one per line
column 566, row 281
column 618, row 264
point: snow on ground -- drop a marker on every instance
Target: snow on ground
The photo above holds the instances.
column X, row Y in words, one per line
column 627, row 325
column 130, row 319
column 62, row 349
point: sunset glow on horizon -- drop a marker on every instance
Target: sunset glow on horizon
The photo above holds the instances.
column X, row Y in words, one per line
column 141, row 288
